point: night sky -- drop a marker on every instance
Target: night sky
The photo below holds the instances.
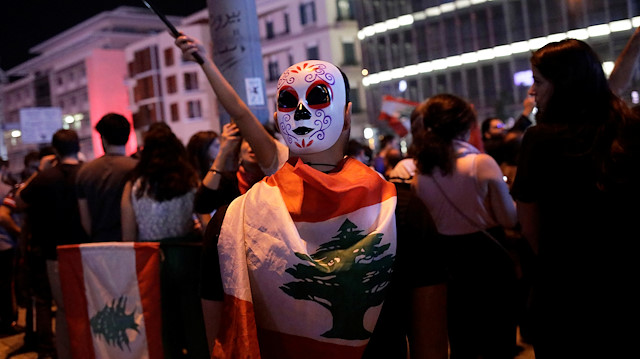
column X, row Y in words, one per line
column 26, row 23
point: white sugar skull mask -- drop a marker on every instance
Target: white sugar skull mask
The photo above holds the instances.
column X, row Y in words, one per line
column 311, row 101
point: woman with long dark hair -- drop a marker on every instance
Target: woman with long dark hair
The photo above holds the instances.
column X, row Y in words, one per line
column 470, row 204
column 161, row 190
column 157, row 205
column 577, row 194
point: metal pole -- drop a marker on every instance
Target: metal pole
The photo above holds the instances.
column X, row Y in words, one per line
column 237, row 52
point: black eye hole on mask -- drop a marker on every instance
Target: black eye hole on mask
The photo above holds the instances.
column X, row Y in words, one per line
column 319, row 95
column 287, row 99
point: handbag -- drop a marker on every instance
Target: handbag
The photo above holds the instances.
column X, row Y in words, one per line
column 468, row 219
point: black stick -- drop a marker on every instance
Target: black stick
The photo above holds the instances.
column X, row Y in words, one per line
column 174, row 32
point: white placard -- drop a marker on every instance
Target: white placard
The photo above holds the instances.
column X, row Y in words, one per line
column 255, row 93
column 38, row 124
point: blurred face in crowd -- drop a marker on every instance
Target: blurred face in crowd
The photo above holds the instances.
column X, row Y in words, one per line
column 246, row 153
column 496, row 129
column 542, row 89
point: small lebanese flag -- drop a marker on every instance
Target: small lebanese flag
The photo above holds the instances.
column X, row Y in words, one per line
column 111, row 295
column 393, row 109
column 306, row 259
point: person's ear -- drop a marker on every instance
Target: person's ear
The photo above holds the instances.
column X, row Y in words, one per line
column 275, row 117
column 347, row 116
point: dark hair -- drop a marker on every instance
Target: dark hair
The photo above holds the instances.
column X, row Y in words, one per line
column 114, row 128
column 486, row 124
column 354, row 147
column 580, row 89
column 347, row 87
column 445, row 117
column 198, row 151
column 163, row 168
column 600, row 121
column 30, row 157
column 65, row 142
column 385, row 140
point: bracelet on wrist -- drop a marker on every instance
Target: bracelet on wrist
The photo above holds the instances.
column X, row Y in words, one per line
column 215, row 171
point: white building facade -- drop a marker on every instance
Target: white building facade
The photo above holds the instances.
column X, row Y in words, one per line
column 82, row 71
column 293, row 31
column 164, row 88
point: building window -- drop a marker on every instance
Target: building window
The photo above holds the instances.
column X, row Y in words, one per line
column 472, row 85
column 141, row 61
column 270, row 32
column 175, row 113
column 489, row 85
column 287, row 29
column 143, row 89
column 190, row 81
column 290, row 60
column 172, row 84
column 349, row 50
column 450, row 36
column 313, row 53
column 381, row 53
column 396, row 52
column 194, row 109
column 168, row 56
column 308, row 13
column 499, row 25
column 517, row 19
column 355, row 100
column 345, row 9
column 274, row 72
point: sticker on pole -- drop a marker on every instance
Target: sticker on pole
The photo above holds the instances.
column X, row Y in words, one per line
column 255, row 94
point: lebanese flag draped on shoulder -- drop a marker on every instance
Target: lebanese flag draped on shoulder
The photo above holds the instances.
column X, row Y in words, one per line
column 112, row 299
column 393, row 109
column 306, row 259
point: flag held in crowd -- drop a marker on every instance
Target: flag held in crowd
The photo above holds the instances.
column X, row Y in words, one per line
column 311, row 279
column 111, row 295
column 393, row 110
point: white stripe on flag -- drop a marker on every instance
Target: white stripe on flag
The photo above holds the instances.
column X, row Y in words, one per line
column 110, row 279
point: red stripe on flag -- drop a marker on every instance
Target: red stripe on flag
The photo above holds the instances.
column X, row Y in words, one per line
column 326, row 196
column 400, row 100
column 75, row 301
column 275, row 345
column 394, row 123
column 238, row 336
column 148, row 271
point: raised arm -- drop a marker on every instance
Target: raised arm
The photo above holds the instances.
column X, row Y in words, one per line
column 252, row 130
column 625, row 63
column 229, row 147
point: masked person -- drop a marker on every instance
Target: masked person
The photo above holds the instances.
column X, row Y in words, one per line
column 309, row 255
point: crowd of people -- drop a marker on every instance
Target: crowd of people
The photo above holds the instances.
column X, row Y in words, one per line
column 313, row 247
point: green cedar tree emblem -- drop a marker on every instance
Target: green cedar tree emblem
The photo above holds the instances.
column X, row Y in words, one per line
column 347, row 276
column 112, row 322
